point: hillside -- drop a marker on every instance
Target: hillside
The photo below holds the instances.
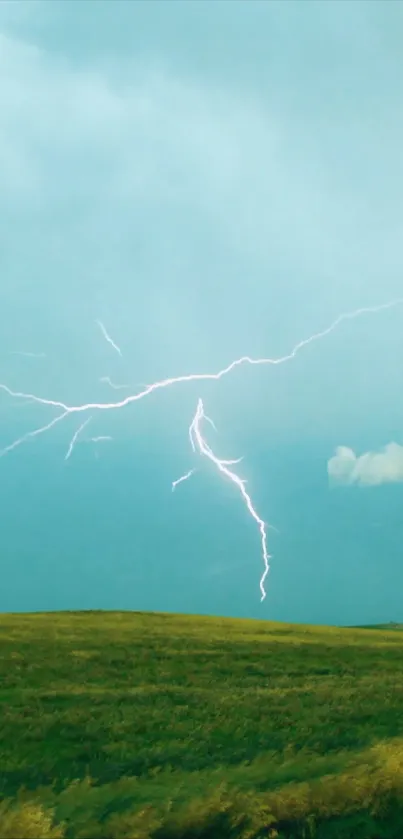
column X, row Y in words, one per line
column 135, row 725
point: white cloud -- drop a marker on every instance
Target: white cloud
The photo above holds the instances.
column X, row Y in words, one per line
column 107, row 135
column 210, row 209
column 147, row 133
column 112, row 159
column 369, row 469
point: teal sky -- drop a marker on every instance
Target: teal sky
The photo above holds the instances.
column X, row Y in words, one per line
column 209, row 180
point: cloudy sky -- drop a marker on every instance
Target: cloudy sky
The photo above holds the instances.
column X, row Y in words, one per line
column 208, row 180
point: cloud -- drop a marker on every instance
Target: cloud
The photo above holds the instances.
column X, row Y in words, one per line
column 198, row 218
column 110, row 135
column 127, row 180
column 113, row 175
column 152, row 131
column 369, row 469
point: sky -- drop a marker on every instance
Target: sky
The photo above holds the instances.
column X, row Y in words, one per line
column 208, row 181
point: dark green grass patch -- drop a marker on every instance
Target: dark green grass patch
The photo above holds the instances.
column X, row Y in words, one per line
column 175, row 706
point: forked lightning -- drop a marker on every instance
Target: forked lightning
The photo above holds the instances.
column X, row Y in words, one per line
column 197, row 440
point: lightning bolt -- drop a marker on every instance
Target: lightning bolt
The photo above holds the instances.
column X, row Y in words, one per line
column 31, row 434
column 196, row 438
column 198, row 377
column 108, row 381
column 75, row 438
column 199, row 443
column 183, row 478
column 108, row 337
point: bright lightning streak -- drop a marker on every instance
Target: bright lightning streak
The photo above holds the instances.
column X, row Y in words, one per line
column 183, row 478
column 191, row 435
column 108, row 381
column 200, row 443
column 108, row 337
column 100, row 439
column 196, row 437
column 75, row 437
column 210, row 421
column 31, row 434
column 198, row 377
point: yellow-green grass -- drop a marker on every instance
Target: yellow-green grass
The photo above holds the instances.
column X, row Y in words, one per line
column 158, row 726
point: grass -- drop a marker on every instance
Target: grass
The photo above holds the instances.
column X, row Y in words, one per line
column 157, row 726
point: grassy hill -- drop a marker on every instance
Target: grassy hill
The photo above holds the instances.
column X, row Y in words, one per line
column 155, row 726
column 391, row 625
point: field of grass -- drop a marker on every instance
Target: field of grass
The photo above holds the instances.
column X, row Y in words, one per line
column 155, row 726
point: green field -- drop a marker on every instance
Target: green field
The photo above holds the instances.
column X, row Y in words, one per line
column 155, row 726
